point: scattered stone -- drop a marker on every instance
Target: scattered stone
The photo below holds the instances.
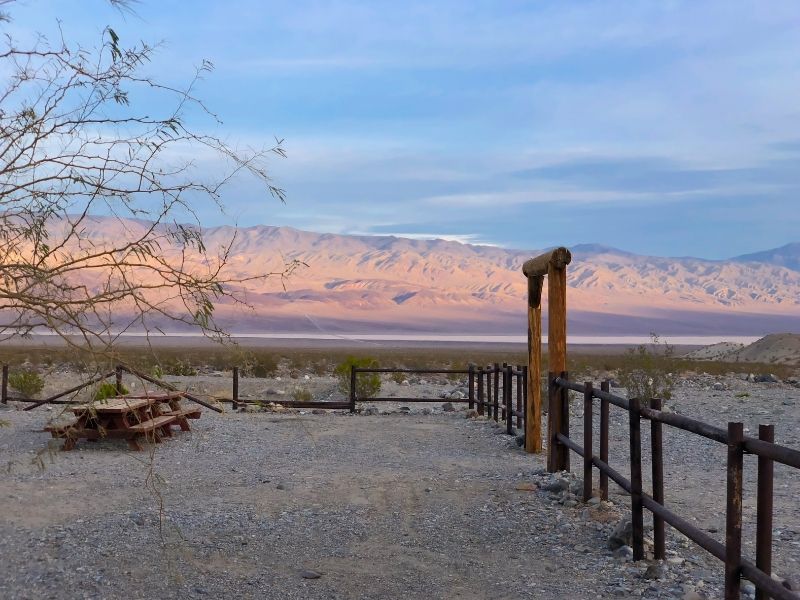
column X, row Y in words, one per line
column 471, row 414
column 370, row 411
column 624, row 553
column 448, row 407
column 309, row 574
column 622, row 535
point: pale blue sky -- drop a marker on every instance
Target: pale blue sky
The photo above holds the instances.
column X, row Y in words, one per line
column 662, row 127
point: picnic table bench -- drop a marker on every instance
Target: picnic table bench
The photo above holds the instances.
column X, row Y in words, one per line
column 126, row 417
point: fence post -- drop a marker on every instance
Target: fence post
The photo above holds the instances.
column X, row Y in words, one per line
column 235, row 395
column 553, row 423
column 503, row 387
column 352, row 389
column 733, row 512
column 764, row 509
column 4, row 387
column 637, row 511
column 533, row 397
column 471, row 385
column 657, row 461
column 496, row 391
column 563, row 405
column 521, row 385
column 588, row 445
column 509, row 404
column 605, row 387
column 480, row 391
column 118, row 380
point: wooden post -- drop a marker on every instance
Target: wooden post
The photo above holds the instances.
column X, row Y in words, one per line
column 557, row 348
column 352, row 389
column 604, row 406
column 496, row 391
column 4, row 387
column 118, row 380
column 480, row 391
column 733, row 513
column 520, row 379
column 637, row 509
column 489, row 401
column 509, row 404
column 235, row 393
column 471, row 386
column 553, row 422
column 764, row 508
column 588, row 445
column 657, row 464
column 533, row 404
column 503, row 386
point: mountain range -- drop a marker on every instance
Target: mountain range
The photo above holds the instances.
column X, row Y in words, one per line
column 373, row 284
column 386, row 284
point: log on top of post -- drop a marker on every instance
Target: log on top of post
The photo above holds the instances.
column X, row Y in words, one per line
column 537, row 267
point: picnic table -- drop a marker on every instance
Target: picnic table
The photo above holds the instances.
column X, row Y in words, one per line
column 126, row 417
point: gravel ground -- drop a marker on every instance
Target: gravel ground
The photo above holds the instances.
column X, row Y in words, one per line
column 258, row 505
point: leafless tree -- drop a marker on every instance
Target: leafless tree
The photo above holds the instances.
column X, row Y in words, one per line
column 73, row 146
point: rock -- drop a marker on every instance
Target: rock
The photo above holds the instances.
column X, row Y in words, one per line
column 557, row 485
column 622, row 535
column 520, row 439
column 426, row 411
column 593, row 501
column 624, row 553
column 448, row 407
column 405, row 382
column 748, row 589
column 280, row 486
column 692, row 595
column 655, row 571
column 768, row 378
column 309, row 574
column 370, row 411
column 718, row 386
column 405, row 409
column 318, row 411
column 791, row 584
column 455, row 395
column 471, row 414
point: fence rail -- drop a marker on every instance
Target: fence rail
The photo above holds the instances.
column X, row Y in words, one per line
column 730, row 553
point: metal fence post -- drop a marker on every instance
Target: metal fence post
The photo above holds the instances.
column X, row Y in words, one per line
column 553, row 423
column 521, row 387
column 733, row 513
column 496, row 391
column 764, row 509
column 637, row 509
column 588, row 445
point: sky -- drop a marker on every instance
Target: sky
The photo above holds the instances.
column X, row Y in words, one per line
column 665, row 127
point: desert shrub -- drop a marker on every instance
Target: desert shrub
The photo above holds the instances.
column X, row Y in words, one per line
column 27, row 382
column 108, row 390
column 265, row 365
column 302, row 394
column 646, row 371
column 398, row 377
column 179, row 368
column 367, row 384
column 157, row 371
column 320, row 367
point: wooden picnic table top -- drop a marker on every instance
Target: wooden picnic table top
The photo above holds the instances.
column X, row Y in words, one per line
column 114, row 405
column 166, row 397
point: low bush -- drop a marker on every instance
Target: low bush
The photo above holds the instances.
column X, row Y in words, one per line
column 109, row 390
column 367, row 384
column 27, row 382
column 302, row 395
column 647, row 371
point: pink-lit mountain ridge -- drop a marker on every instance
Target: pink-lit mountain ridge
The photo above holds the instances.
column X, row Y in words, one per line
column 372, row 284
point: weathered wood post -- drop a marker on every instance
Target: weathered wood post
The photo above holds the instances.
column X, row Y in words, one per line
column 509, row 405
column 496, row 375
column 235, row 394
column 637, row 509
column 471, row 385
column 588, row 444
column 657, row 466
column 4, row 388
column 604, row 406
column 480, row 391
column 118, row 380
column 553, row 264
column 352, row 389
column 733, row 512
column 764, row 508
